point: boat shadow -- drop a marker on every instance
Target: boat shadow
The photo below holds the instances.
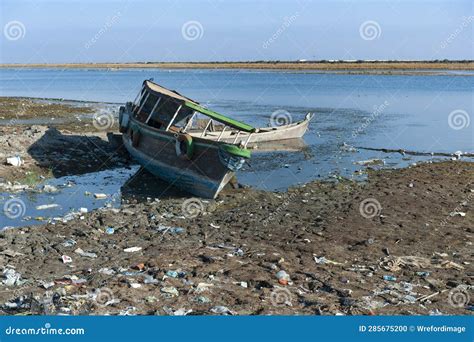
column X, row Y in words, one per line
column 69, row 154
column 144, row 186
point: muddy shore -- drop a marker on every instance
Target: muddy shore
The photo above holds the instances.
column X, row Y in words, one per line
column 350, row 248
column 399, row 243
column 56, row 138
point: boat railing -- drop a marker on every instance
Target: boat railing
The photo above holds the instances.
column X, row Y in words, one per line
column 140, row 104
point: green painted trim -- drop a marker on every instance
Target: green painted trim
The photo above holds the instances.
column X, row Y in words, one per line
column 220, row 118
column 236, row 151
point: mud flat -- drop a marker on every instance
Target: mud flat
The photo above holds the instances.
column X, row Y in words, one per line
column 55, row 138
column 350, row 67
column 401, row 243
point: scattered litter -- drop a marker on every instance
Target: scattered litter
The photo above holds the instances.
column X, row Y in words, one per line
column 172, row 291
column 66, row 259
column 128, row 311
column 15, row 161
column 69, row 243
column 150, row 280
column 49, row 188
column 107, row 271
column 47, row 285
column 85, row 254
column 109, row 230
column 395, row 264
column 348, row 148
column 423, row 274
column 151, row 299
column 172, row 230
column 389, row 278
column 201, row 287
column 83, row 210
column 132, row 249
column 221, row 310
column 182, row 312
column 238, row 252
column 214, row 225
column 12, row 277
column 202, row 299
column 457, row 213
column 46, row 206
column 172, row 274
column 135, row 285
column 283, row 277
column 176, row 274
column 140, row 266
column 100, row 196
column 370, row 162
column 323, row 260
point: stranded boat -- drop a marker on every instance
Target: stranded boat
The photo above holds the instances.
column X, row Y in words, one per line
column 266, row 134
column 155, row 132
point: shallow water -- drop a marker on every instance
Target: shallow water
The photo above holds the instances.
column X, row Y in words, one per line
column 419, row 113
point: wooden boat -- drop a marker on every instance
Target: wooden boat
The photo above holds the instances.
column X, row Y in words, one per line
column 154, row 131
column 286, row 132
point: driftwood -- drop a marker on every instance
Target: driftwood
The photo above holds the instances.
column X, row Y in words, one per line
column 417, row 153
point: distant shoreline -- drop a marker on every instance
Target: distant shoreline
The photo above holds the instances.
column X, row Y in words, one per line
column 323, row 66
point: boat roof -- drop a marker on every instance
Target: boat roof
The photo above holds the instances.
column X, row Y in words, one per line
column 197, row 107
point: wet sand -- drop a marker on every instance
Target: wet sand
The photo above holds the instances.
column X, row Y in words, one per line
column 399, row 243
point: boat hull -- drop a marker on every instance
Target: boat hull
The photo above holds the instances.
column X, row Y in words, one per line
column 291, row 131
column 203, row 175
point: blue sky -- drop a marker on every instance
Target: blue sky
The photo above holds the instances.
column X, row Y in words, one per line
column 126, row 31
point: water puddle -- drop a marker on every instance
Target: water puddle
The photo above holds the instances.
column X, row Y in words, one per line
column 66, row 198
column 73, row 193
